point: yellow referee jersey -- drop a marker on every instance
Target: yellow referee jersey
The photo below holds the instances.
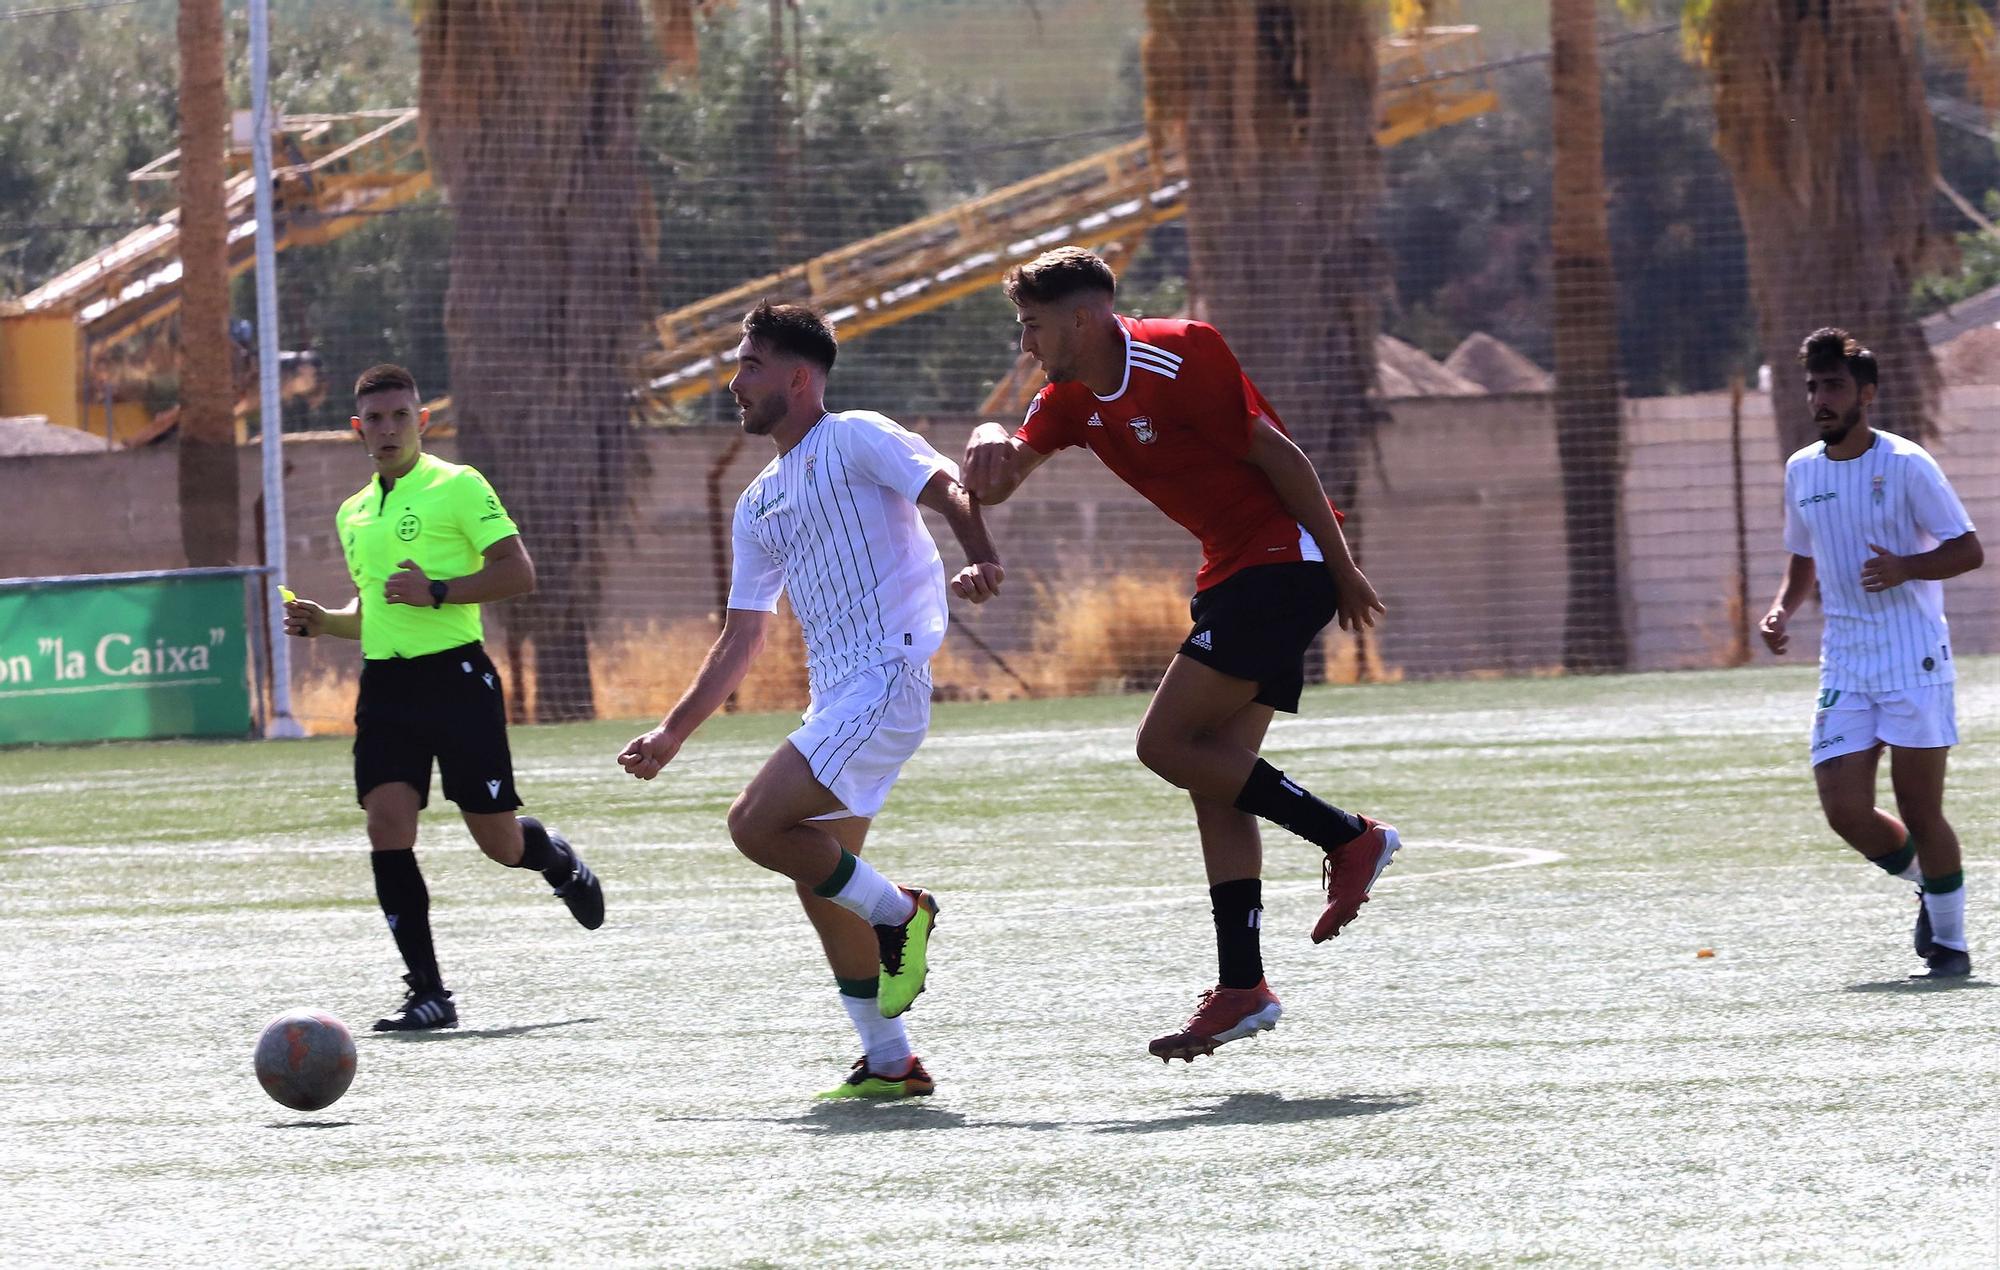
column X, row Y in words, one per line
column 441, row 515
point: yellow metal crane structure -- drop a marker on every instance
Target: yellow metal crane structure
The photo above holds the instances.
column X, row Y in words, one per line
column 1429, row 79
column 336, row 170
column 333, row 172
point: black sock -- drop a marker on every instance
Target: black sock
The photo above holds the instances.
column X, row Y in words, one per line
column 544, row 854
column 1239, row 913
column 1269, row 796
column 406, row 902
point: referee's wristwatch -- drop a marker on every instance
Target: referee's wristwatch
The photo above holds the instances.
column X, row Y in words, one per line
column 439, row 589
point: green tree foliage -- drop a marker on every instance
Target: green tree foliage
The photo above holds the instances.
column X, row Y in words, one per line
column 84, row 98
column 874, row 147
column 1468, row 216
column 1976, row 268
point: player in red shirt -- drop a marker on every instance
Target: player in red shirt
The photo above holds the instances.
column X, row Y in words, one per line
column 1164, row 404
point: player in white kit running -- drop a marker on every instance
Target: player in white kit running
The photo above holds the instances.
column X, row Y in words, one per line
column 1873, row 519
column 833, row 522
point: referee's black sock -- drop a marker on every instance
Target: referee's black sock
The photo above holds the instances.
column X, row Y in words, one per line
column 1270, row 796
column 1239, row 913
column 546, row 855
column 406, row 902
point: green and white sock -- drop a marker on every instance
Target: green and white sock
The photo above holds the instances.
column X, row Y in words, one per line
column 1944, row 901
column 1900, row 863
column 886, row 1042
column 859, row 889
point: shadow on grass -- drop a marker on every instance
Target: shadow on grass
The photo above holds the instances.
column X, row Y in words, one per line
column 309, row 1124
column 458, row 1034
column 863, row 1115
column 849, row 1115
column 1918, row 985
column 1261, row 1109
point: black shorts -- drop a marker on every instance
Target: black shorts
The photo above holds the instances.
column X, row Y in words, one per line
column 1257, row 624
column 446, row 706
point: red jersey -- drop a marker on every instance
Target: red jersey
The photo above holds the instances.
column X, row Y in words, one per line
column 1178, row 431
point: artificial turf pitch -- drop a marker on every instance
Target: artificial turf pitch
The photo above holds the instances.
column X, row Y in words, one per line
column 1515, row 1055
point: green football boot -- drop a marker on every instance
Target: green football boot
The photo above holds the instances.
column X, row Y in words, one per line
column 862, row 1083
column 905, row 954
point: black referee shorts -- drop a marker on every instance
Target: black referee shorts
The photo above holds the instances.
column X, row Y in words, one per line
column 1257, row 624
column 448, row 707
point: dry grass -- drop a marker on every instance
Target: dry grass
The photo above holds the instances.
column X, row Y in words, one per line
column 636, row 671
column 1116, row 634
column 1726, row 636
column 961, row 672
column 323, row 702
column 641, row 670
column 1350, row 661
column 1110, row 634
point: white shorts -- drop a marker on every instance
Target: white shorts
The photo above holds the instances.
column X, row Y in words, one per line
column 857, row 738
column 1920, row 718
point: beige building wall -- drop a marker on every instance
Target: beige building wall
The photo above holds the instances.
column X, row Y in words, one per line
column 1459, row 523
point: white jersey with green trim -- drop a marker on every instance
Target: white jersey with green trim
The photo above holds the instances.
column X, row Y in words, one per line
column 834, row 524
column 1893, row 496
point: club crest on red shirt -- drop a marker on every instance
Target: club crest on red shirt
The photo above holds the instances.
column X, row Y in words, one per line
column 1142, row 429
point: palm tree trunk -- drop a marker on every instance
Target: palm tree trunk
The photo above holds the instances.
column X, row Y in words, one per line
column 531, row 113
column 1275, row 101
column 207, row 440
column 1822, row 121
column 1589, row 428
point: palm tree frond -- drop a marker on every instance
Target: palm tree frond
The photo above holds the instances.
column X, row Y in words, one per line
column 1961, row 31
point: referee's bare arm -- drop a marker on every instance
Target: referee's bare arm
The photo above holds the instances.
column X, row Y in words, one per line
column 721, row 673
column 307, row 619
column 507, row 572
column 996, row 463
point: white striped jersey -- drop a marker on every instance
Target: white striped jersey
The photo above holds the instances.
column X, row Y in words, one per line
column 1893, row 496
column 834, row 524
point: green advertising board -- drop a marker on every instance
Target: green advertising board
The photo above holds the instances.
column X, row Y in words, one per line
column 89, row 659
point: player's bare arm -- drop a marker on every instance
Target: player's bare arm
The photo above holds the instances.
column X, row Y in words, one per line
column 309, row 620
column 1792, row 592
column 1886, row 569
column 721, row 673
column 1297, row 485
column 979, row 581
column 507, row 572
column 996, row 463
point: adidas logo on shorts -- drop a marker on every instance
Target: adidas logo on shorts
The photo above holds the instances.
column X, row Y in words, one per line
column 1202, row 639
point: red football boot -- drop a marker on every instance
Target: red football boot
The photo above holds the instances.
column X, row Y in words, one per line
column 1350, row 874
column 1222, row 1015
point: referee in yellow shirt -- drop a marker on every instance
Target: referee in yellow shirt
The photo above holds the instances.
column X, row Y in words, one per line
column 427, row 542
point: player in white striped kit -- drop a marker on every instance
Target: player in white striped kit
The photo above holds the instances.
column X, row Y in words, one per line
column 833, row 521
column 1871, row 516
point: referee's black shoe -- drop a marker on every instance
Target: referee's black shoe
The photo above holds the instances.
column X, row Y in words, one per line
column 425, row 1006
column 583, row 893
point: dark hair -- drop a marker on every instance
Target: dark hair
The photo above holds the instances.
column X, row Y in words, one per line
column 1058, row 275
column 796, row 330
column 384, row 378
column 1830, row 346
